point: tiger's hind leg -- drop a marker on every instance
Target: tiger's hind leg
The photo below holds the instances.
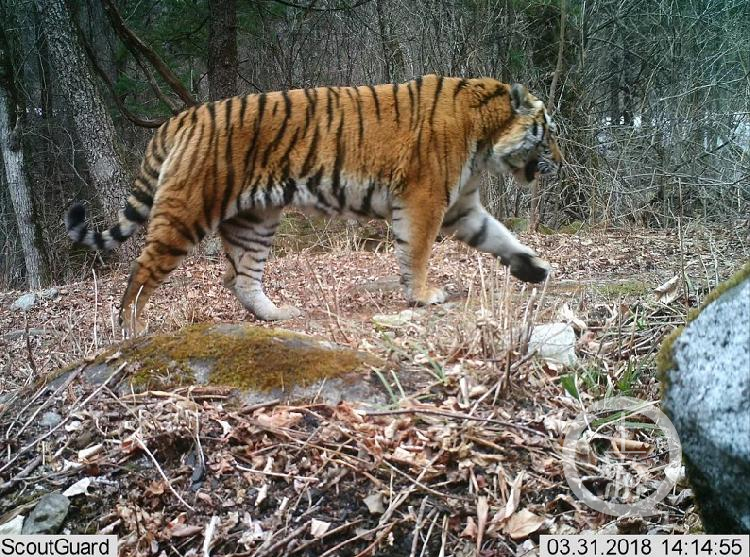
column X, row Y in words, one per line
column 415, row 224
column 166, row 247
column 247, row 242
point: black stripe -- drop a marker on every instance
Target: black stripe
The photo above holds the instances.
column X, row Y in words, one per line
column 336, row 174
column 251, row 149
column 450, row 222
column 99, row 240
column 395, row 102
column 142, row 197
column 312, row 151
column 149, row 171
column 480, row 235
column 133, row 215
column 228, row 161
column 117, row 234
column 499, row 91
column 166, row 249
column 243, row 108
column 377, row 102
column 401, row 241
column 438, row 89
column 459, row 86
column 292, row 144
column 411, row 103
column 360, row 120
column 210, row 186
column 367, row 201
column 329, row 106
column 290, row 188
column 282, row 129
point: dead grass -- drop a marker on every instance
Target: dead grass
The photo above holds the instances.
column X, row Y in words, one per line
column 466, row 458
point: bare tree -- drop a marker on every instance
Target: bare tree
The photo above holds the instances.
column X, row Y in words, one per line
column 93, row 124
column 222, row 49
column 20, row 193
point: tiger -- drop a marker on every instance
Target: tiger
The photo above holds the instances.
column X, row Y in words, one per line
column 410, row 152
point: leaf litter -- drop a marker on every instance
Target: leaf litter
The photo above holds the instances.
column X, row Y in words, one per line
column 465, row 460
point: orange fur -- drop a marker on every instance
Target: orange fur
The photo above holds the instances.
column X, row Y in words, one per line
column 405, row 151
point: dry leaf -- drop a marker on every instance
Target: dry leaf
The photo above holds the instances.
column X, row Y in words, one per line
column 471, row 529
column 78, row 488
column 482, row 511
column 374, row 503
column 669, row 291
column 318, row 528
column 185, row 531
column 523, row 523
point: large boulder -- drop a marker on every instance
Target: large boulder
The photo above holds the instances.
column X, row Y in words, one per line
column 707, row 395
column 259, row 364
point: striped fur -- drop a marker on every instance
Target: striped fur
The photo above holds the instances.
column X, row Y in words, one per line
column 411, row 152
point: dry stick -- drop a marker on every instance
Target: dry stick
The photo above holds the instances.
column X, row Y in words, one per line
column 209, row 534
column 417, row 528
column 456, row 415
column 28, row 344
column 434, row 514
column 7, row 486
column 45, row 404
column 139, row 442
column 271, row 550
column 426, row 488
column 73, row 409
column 341, row 528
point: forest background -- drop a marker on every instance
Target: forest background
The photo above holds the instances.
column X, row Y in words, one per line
column 652, row 97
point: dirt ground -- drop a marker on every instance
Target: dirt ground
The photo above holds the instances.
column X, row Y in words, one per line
column 465, row 460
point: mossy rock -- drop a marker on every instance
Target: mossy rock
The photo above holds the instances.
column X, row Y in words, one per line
column 259, row 363
column 517, row 224
column 571, row 228
column 705, row 390
column 664, row 359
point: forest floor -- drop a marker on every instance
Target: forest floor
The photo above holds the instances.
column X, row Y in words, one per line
column 466, row 460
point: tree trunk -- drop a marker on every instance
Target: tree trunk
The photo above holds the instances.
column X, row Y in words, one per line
column 20, row 195
column 222, row 49
column 92, row 122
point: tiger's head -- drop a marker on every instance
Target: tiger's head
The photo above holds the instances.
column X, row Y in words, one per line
column 527, row 146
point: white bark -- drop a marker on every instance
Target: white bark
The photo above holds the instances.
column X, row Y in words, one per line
column 20, row 196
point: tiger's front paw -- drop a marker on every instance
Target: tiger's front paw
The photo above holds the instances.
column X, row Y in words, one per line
column 274, row 313
column 528, row 267
column 430, row 295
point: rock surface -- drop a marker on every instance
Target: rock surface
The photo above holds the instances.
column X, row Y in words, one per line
column 708, row 400
column 260, row 364
column 48, row 515
column 25, row 302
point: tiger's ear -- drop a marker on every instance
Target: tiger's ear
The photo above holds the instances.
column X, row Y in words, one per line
column 519, row 97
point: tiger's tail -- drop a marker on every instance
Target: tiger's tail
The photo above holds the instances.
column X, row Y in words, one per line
column 132, row 216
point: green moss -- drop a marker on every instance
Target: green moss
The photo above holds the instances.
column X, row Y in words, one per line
column 572, row 228
column 517, row 224
column 244, row 357
column 623, row 289
column 664, row 359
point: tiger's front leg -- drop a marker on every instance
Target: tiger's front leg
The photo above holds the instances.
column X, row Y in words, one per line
column 415, row 226
column 247, row 242
column 473, row 225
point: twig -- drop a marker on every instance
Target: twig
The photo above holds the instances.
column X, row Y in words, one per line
column 417, row 528
column 140, row 443
column 73, row 409
column 209, row 534
column 341, row 528
column 455, row 415
column 7, row 486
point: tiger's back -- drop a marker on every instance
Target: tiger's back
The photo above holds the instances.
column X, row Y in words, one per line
column 409, row 152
